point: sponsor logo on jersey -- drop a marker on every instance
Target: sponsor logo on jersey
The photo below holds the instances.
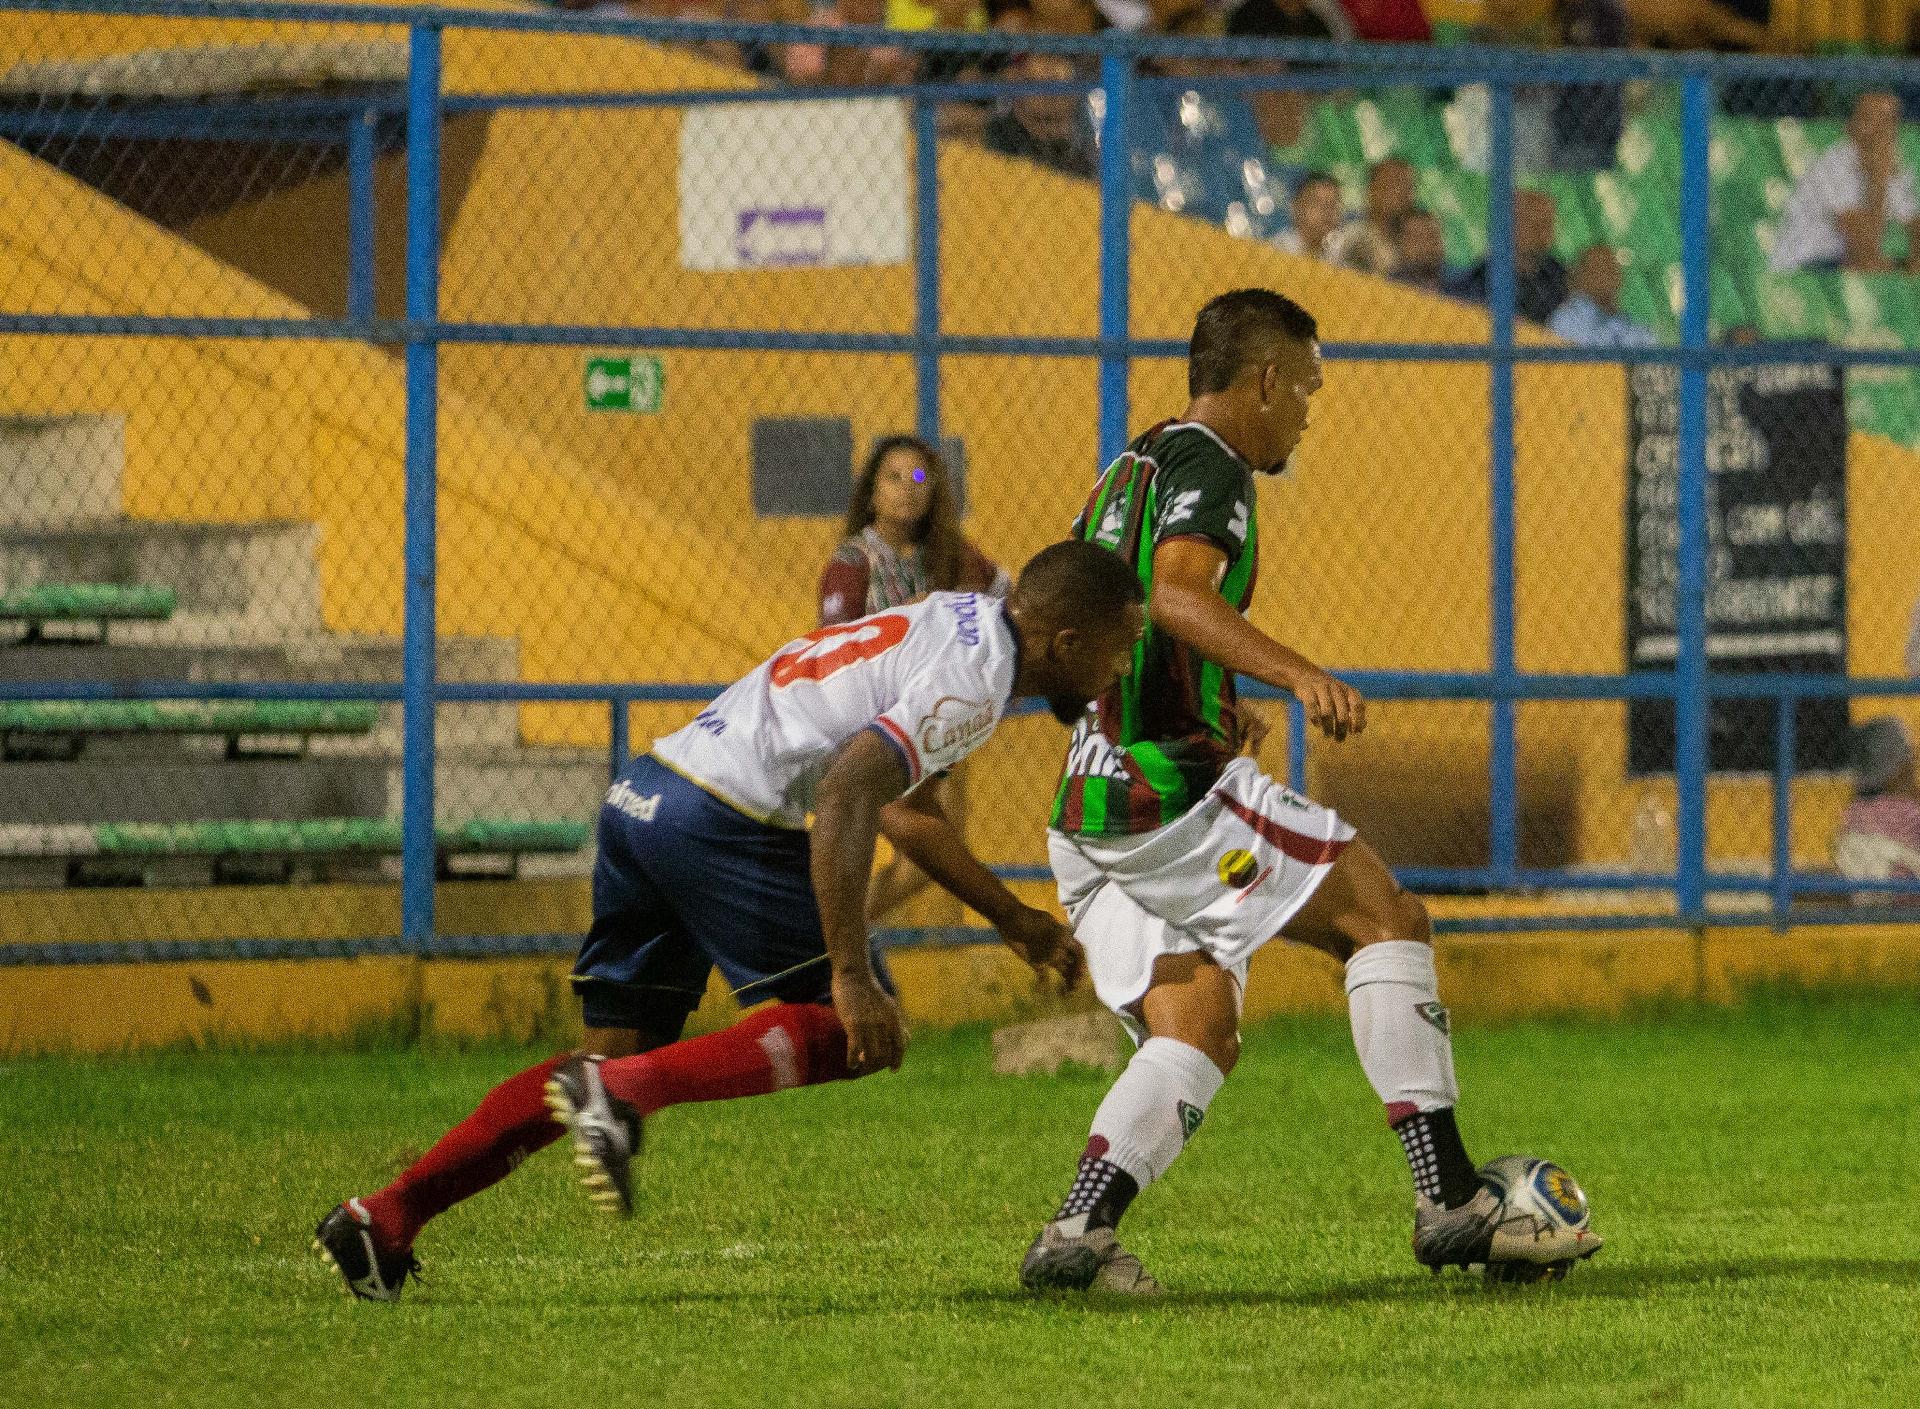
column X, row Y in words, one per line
column 966, row 612
column 625, row 799
column 1183, row 507
column 1237, row 868
column 955, row 725
column 1237, row 525
column 1436, row 1014
column 1091, row 754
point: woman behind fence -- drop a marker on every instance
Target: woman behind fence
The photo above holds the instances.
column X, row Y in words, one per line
column 904, row 541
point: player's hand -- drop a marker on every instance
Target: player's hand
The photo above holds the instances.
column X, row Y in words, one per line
column 1046, row 945
column 876, row 1036
column 1333, row 707
column 1253, row 728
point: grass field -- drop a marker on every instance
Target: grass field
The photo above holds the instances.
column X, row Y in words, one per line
column 1754, row 1171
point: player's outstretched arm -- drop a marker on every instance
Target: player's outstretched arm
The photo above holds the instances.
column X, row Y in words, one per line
column 863, row 778
column 1186, row 602
column 922, row 832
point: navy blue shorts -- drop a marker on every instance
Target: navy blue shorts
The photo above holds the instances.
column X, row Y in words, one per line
column 684, row 884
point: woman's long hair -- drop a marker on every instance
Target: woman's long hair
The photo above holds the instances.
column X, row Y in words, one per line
column 938, row 533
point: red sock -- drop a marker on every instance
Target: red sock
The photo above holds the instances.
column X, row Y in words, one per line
column 510, row 1124
column 786, row 1045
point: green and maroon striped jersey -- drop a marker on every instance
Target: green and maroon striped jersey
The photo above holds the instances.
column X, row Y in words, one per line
column 1153, row 744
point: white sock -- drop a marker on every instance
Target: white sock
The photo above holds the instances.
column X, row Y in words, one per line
column 1145, row 1121
column 1400, row 1028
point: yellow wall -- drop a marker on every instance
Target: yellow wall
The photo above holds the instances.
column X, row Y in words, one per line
column 624, row 546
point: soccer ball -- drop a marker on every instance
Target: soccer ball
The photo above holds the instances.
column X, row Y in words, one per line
column 1537, row 1197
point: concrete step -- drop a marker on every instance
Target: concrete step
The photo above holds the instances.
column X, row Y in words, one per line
column 175, row 785
column 264, row 574
column 56, row 471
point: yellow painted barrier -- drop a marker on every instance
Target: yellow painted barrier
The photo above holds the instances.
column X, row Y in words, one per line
column 121, row 1007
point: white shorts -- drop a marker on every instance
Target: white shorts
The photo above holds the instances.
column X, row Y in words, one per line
column 1222, row 879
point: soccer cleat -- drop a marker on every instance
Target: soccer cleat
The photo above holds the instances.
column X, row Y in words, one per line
column 1088, row 1261
column 344, row 1240
column 605, row 1129
column 1475, row 1235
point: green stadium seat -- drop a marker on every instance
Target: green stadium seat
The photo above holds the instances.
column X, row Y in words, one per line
column 1800, row 142
column 1577, row 223
column 1640, row 218
column 1459, row 200
column 1796, row 306
column 1402, row 122
column 86, row 601
column 28, row 728
column 1745, row 156
column 237, row 844
column 1649, row 149
column 1646, row 297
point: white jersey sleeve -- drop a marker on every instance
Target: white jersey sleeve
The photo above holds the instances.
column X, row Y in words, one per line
column 932, row 679
column 947, row 704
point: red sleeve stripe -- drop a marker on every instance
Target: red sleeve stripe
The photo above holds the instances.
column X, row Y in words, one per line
column 1314, row 851
column 897, row 737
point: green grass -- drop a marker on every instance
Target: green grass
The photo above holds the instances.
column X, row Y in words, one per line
column 1754, row 1172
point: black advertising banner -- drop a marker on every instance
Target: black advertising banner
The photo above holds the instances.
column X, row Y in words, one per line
column 1776, row 557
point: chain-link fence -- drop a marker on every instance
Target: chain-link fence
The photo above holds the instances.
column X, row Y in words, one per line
column 407, row 415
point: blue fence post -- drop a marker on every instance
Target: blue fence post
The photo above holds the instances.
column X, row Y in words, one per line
column 1116, row 205
column 1296, row 745
column 1785, row 724
column 617, row 743
column 1692, row 703
column 1503, row 769
column 926, row 275
column 423, row 377
column 360, row 134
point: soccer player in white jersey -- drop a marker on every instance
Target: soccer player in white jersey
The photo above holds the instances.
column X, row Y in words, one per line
column 705, row 862
column 1176, row 858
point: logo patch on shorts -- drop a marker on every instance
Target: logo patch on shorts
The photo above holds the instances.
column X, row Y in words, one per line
column 1436, row 1014
column 1237, row 868
column 1190, row 1118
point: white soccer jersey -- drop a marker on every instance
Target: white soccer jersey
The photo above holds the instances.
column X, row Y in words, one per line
column 933, row 679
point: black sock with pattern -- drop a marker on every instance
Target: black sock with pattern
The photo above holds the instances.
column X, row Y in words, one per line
column 1102, row 1190
column 1441, row 1169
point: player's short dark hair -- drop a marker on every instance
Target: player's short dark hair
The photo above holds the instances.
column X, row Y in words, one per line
column 1316, row 177
column 1075, row 583
column 1238, row 330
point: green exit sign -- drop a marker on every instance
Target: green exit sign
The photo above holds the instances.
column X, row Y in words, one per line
column 625, row 384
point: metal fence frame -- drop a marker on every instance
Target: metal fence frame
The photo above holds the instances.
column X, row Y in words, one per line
column 424, row 103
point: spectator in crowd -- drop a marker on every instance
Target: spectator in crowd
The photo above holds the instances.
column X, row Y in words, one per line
column 1738, row 25
column 903, row 541
column 1837, row 216
column 1290, row 19
column 1388, row 21
column 1317, row 213
column 1913, row 633
column 1280, row 114
column 1049, row 128
column 1540, row 279
column 1879, row 836
column 1420, row 253
column 1367, row 244
column 1560, row 127
column 1591, row 315
column 1066, row 17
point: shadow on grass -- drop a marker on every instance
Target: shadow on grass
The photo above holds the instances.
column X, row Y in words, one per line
column 1595, row 1282
column 1591, row 1283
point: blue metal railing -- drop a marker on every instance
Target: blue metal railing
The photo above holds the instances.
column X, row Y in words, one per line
column 423, row 103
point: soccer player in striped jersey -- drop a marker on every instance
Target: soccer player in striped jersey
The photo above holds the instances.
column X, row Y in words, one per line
column 1176, row 858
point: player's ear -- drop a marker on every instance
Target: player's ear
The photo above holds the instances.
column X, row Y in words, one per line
column 1064, row 644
